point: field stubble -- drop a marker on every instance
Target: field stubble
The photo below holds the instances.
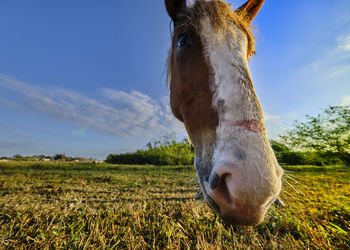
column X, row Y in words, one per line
column 66, row 205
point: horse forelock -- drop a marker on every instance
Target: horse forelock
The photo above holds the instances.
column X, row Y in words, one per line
column 222, row 19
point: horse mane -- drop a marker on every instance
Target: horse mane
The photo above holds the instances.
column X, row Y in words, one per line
column 221, row 16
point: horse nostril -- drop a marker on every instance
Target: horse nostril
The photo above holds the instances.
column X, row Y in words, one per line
column 214, row 180
column 219, row 186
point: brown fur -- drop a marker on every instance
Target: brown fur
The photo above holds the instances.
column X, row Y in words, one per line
column 222, row 17
column 190, row 93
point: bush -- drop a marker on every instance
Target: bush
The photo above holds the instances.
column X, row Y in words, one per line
column 165, row 152
column 169, row 152
column 326, row 136
column 62, row 157
column 286, row 156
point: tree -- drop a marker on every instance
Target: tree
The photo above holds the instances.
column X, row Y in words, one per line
column 278, row 147
column 328, row 133
column 61, row 157
column 17, row 156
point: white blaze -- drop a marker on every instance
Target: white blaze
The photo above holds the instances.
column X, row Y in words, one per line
column 242, row 152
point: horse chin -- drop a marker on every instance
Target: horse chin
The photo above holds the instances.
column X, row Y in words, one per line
column 234, row 213
column 246, row 216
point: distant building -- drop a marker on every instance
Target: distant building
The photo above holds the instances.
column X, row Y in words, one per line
column 45, row 159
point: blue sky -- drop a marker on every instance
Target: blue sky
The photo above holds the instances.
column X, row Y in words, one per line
column 86, row 78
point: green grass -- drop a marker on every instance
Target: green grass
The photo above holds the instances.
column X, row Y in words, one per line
column 66, row 205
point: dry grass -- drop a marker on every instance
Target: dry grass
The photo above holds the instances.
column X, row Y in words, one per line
column 63, row 205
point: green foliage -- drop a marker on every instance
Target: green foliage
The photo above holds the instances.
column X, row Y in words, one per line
column 163, row 152
column 18, row 157
column 56, row 157
column 327, row 134
column 287, row 156
column 278, row 147
column 60, row 157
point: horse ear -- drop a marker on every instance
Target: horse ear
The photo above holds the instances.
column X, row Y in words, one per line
column 250, row 9
column 173, row 7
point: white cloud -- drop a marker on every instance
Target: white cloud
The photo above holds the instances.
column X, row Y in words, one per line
column 115, row 112
column 277, row 125
column 79, row 132
column 331, row 64
column 345, row 101
column 344, row 43
column 5, row 102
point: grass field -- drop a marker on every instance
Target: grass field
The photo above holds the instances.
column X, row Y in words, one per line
column 66, row 205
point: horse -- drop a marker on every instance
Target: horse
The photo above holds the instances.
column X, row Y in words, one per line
column 212, row 93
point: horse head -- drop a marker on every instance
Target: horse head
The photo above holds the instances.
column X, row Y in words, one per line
column 212, row 93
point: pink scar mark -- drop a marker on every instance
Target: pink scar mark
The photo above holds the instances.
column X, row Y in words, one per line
column 250, row 125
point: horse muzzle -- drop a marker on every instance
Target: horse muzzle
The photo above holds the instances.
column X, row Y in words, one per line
column 240, row 199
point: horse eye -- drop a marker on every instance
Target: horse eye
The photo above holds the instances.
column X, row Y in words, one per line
column 184, row 41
